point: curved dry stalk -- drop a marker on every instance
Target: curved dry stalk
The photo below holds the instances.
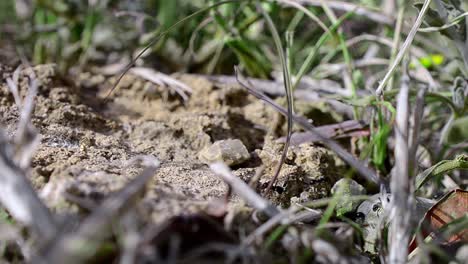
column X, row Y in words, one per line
column 243, row 189
column 325, row 70
column 293, row 214
column 27, row 139
column 18, row 196
column 338, row 130
column 159, row 36
column 307, row 12
column 360, row 167
column 404, row 48
column 418, row 52
column 357, row 9
column 288, row 87
column 162, row 79
column 191, row 47
column 452, row 23
column 16, row 193
column 276, row 88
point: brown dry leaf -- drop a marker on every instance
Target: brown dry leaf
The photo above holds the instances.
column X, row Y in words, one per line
column 450, row 208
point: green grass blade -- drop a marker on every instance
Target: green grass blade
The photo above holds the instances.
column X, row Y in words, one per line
column 444, row 166
column 310, row 58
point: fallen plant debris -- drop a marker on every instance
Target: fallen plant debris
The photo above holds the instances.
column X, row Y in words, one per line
column 445, row 222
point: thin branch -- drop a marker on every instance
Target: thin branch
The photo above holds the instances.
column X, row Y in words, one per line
column 404, row 48
column 416, row 51
column 243, row 189
column 268, row 225
column 12, row 84
column 16, row 193
column 276, row 88
column 396, row 38
column 416, row 121
column 358, row 10
column 364, row 171
column 77, row 247
column 325, row 70
column 27, row 139
column 452, row 23
column 18, row 196
column 162, row 79
column 338, row 130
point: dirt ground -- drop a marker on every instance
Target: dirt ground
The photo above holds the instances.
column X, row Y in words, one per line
column 87, row 142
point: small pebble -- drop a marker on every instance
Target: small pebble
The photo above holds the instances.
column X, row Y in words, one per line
column 348, row 188
column 230, row 151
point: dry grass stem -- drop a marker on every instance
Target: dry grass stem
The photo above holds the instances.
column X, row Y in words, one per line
column 16, row 193
column 363, row 170
column 404, row 48
column 162, row 80
column 400, row 181
column 243, row 189
column 416, row 121
column 359, row 10
column 78, row 246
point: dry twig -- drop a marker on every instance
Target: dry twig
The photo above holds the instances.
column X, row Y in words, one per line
column 18, row 196
column 404, row 48
column 367, row 173
column 16, row 193
column 243, row 189
column 162, row 80
column 400, row 182
column 347, row 7
column 78, row 246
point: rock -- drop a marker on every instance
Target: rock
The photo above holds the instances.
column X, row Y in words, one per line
column 347, row 188
column 230, row 151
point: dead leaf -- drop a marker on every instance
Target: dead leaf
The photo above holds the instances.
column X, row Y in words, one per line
column 452, row 207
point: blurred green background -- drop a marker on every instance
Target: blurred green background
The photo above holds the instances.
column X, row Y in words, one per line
column 74, row 33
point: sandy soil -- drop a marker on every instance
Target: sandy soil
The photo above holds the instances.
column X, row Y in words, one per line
column 86, row 142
